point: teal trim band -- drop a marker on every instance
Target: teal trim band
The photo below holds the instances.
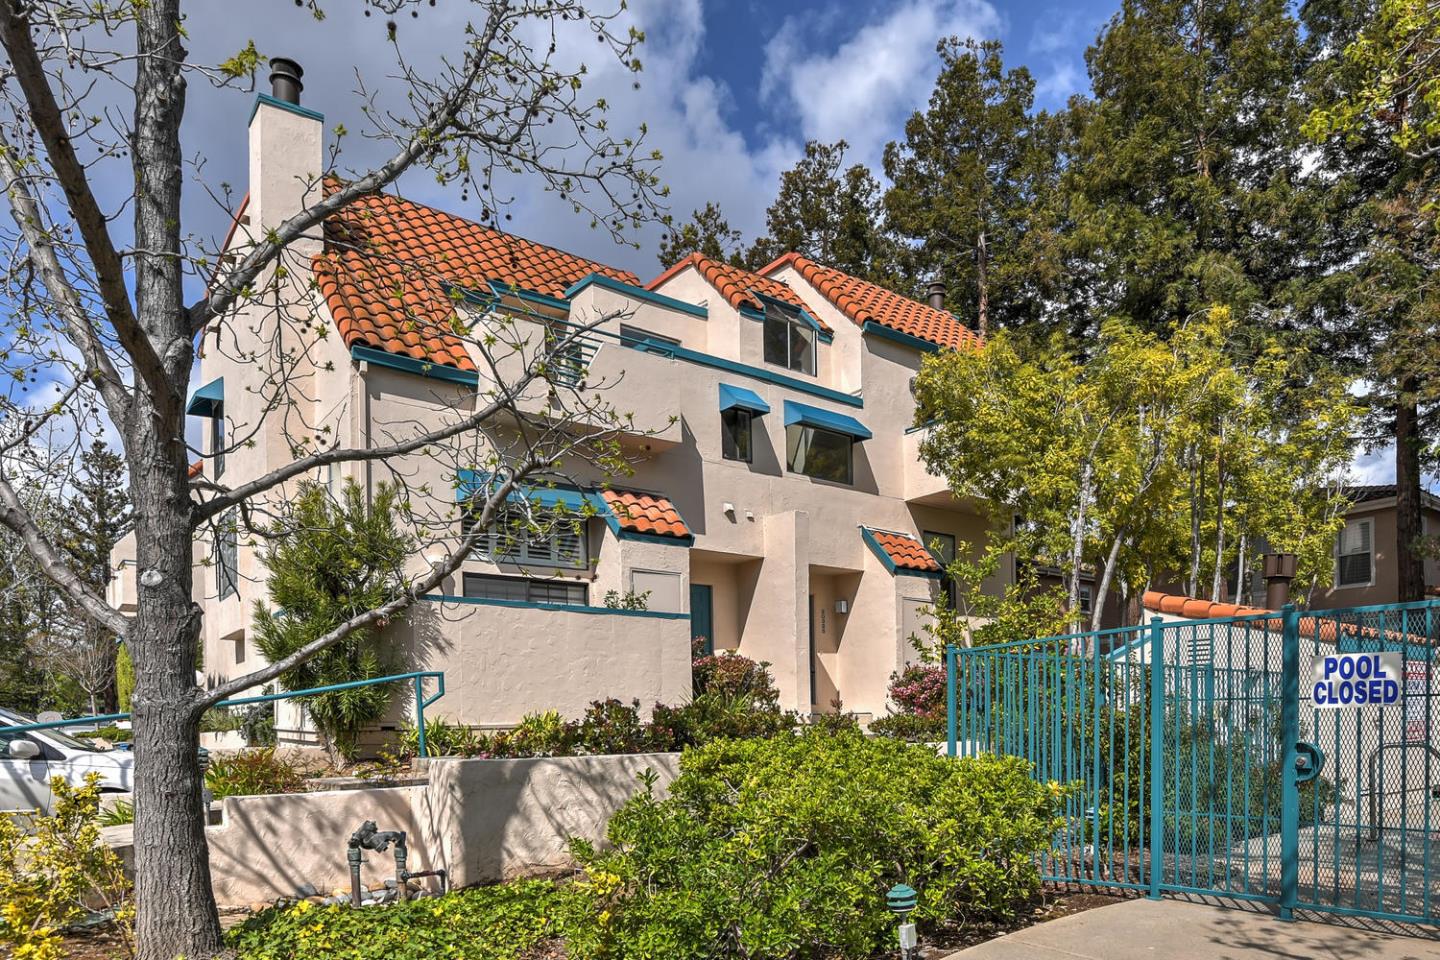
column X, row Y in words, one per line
column 396, row 361
column 545, row 300
column 779, row 379
column 557, row 607
column 294, row 108
column 888, row 563
column 686, row 541
column 922, row 426
column 209, row 400
column 639, row 293
column 574, row 500
column 808, row 416
column 895, row 336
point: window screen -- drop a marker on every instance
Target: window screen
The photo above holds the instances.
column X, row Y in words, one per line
column 1354, row 554
column 482, row 586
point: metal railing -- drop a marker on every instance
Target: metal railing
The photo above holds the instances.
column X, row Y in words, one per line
column 417, row 678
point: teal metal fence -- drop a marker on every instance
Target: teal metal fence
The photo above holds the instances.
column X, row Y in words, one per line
column 417, row 679
column 1200, row 761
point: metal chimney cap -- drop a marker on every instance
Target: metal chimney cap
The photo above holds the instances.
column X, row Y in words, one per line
column 1279, row 565
column 285, row 82
column 935, row 293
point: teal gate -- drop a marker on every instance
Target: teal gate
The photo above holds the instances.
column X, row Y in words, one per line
column 1205, row 758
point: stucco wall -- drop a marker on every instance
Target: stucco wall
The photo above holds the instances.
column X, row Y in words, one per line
column 481, row 820
column 486, row 820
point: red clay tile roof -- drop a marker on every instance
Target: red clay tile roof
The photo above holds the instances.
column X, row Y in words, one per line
column 386, row 262
column 737, row 286
column 864, row 302
column 646, row 513
column 196, row 468
column 1313, row 626
column 905, row 551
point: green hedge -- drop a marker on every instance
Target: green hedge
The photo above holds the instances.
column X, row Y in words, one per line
column 767, row 849
column 785, row 848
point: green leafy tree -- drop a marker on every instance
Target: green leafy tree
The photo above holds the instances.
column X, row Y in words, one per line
column 829, row 213
column 329, row 561
column 95, row 517
column 1185, row 184
column 1374, row 117
column 1143, row 456
column 966, row 184
column 708, row 232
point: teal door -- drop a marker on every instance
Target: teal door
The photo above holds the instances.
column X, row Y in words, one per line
column 701, row 617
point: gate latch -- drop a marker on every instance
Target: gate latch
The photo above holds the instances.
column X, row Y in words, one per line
column 1308, row 761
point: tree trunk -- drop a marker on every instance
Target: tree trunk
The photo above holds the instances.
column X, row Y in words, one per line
column 1077, row 544
column 1408, row 532
column 1217, row 587
column 1197, row 493
column 1102, row 589
column 175, row 905
column 982, row 269
column 1242, row 577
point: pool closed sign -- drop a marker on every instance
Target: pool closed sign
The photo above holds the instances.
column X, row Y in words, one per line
column 1357, row 680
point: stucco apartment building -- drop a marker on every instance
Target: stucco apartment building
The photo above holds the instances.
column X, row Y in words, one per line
column 778, row 504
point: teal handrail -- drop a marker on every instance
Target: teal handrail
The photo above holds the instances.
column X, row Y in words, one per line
column 418, row 678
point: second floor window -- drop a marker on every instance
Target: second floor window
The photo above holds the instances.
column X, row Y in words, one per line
column 822, row 454
column 217, row 445
column 789, row 340
column 227, row 556
column 1355, row 554
column 537, row 537
column 736, row 432
column 483, row 586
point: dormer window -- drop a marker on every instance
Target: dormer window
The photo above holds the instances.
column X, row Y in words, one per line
column 789, row 339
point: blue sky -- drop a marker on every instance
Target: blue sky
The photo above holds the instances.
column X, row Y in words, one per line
column 731, row 89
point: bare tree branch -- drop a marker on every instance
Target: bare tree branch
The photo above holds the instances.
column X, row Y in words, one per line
column 45, row 114
column 76, row 320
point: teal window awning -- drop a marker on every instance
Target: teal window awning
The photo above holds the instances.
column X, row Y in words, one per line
column 739, row 397
column 808, row 416
column 209, row 400
column 473, row 482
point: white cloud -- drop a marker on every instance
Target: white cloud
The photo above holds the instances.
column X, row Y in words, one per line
column 862, row 90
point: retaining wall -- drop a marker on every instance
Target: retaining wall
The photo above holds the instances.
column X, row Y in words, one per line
column 481, row 820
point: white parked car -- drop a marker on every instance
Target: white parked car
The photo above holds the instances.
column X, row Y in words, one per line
column 30, row 758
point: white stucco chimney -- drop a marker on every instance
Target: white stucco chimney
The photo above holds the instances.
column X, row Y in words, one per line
column 286, row 155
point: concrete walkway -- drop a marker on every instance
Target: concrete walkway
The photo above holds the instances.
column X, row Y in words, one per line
column 1177, row 930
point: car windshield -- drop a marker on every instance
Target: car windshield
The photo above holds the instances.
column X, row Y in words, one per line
column 58, row 737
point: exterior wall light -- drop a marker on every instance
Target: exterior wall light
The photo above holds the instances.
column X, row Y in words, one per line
column 842, row 606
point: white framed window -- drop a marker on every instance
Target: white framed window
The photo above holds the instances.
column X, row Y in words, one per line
column 540, row 537
column 1355, row 554
column 1086, row 600
column 789, row 340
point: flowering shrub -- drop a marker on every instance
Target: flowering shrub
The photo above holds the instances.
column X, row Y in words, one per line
column 918, row 693
column 732, row 676
column 55, row 871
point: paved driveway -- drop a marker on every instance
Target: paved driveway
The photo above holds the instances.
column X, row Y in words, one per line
column 1178, row 930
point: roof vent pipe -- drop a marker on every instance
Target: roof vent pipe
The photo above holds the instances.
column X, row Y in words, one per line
column 935, row 294
column 1279, row 571
column 285, row 82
